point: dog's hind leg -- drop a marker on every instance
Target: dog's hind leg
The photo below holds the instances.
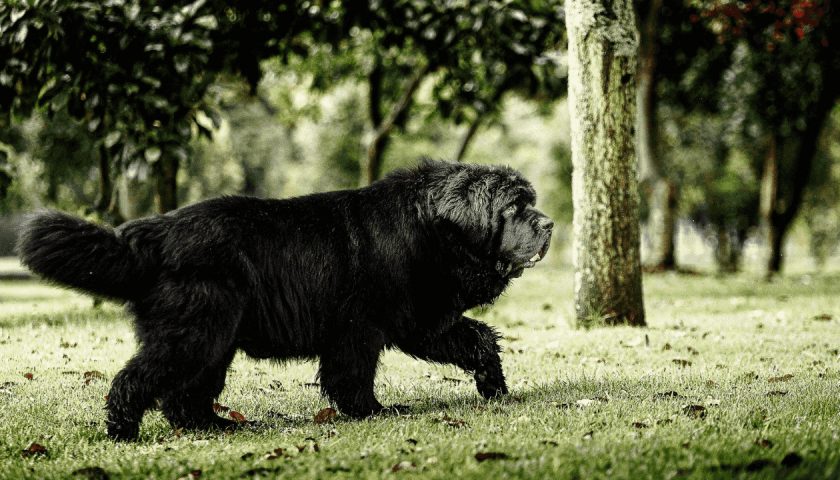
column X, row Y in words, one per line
column 183, row 327
column 192, row 406
column 469, row 344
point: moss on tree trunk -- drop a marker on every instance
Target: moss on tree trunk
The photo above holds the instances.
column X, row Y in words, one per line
column 602, row 94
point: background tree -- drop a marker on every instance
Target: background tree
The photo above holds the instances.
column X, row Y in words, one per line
column 787, row 47
column 602, row 94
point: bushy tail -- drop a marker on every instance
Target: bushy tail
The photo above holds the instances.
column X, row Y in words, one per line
column 79, row 254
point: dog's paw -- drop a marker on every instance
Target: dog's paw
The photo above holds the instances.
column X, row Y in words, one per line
column 490, row 386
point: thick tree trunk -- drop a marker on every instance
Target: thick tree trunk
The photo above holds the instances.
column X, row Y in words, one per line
column 166, row 186
column 602, row 94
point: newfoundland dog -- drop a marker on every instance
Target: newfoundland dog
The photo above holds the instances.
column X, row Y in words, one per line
column 339, row 276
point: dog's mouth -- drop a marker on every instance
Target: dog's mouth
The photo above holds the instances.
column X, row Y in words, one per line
column 539, row 255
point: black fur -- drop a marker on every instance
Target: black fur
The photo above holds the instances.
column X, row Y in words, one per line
column 339, row 276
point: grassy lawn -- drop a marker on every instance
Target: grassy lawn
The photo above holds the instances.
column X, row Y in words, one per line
column 733, row 378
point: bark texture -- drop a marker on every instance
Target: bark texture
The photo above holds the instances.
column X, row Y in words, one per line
column 602, row 95
column 166, row 186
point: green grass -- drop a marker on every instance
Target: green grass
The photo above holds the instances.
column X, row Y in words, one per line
column 737, row 333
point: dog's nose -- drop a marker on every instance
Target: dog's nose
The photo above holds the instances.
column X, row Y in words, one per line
column 546, row 223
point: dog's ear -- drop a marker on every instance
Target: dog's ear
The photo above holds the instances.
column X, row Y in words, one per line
column 462, row 202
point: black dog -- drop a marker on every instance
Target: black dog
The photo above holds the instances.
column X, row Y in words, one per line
column 339, row 276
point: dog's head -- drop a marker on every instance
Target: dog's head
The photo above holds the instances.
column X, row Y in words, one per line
column 491, row 212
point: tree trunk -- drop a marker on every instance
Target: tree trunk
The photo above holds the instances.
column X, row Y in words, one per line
column 106, row 188
column 166, row 186
column 668, row 234
column 602, row 92
column 468, row 136
column 381, row 136
column 769, row 202
column 662, row 219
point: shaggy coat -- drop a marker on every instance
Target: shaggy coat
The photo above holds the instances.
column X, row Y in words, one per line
column 339, row 276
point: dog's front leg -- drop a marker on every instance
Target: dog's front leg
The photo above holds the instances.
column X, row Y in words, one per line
column 471, row 345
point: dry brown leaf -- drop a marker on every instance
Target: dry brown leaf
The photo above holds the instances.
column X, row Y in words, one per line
column 92, row 375
column 823, row 317
column 34, row 449
column 781, row 378
column 237, row 417
column 219, row 408
column 325, row 415
column 453, row 422
column 28, row 376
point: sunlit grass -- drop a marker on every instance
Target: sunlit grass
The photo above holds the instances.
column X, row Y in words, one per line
column 584, row 404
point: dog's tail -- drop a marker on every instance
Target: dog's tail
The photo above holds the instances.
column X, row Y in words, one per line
column 73, row 252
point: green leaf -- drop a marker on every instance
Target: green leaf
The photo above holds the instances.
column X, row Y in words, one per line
column 152, row 154
column 112, row 138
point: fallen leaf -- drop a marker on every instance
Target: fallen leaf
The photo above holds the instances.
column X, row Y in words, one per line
column 823, row 317
column 780, row 378
column 34, row 449
column 482, row 456
column 695, row 411
column 237, row 417
column 219, row 408
column 639, row 425
column 764, row 443
column 453, row 422
column 666, row 395
column 791, row 460
column 325, row 415
column 93, row 375
column 777, row 393
column 711, row 383
column 682, row 362
column 404, row 465
column 91, row 473
column 28, row 376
